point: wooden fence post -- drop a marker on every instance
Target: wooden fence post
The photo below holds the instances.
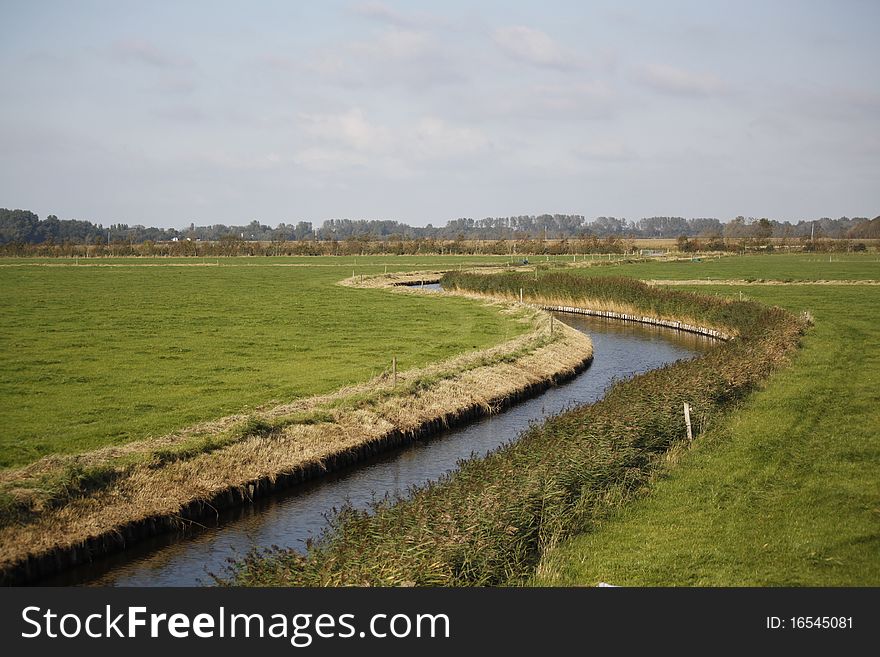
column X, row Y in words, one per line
column 687, row 420
column 394, row 370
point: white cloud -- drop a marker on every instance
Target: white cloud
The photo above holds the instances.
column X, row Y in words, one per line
column 533, row 47
column 679, row 82
column 349, row 139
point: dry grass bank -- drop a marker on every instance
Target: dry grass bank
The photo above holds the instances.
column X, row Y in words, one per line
column 608, row 305
column 56, row 508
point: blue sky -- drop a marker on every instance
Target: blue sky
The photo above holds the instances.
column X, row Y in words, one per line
column 164, row 113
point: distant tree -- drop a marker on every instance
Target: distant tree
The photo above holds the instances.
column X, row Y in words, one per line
column 762, row 229
column 19, row 226
column 865, row 229
column 736, row 228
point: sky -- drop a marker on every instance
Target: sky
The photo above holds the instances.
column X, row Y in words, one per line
column 166, row 113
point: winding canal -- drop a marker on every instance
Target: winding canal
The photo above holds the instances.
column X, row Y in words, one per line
column 289, row 518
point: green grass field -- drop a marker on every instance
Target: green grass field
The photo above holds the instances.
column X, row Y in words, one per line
column 99, row 355
column 782, row 267
column 786, row 490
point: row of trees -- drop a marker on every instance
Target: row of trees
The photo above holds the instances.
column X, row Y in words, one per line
column 25, row 227
column 516, row 249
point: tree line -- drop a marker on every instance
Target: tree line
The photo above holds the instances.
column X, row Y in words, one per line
column 26, row 228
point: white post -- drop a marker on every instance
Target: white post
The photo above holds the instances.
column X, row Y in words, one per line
column 687, row 420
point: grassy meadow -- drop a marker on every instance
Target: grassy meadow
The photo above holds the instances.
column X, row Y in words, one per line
column 106, row 354
column 785, row 490
column 776, row 267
